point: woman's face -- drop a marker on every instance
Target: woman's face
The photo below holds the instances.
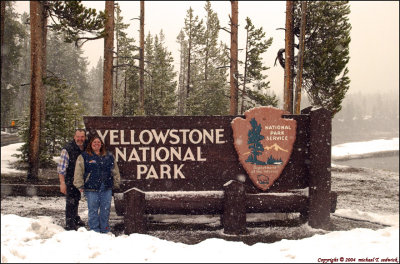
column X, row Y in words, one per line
column 96, row 145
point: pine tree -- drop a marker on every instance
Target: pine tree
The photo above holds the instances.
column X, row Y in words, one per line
column 124, row 59
column 326, row 54
column 72, row 18
column 67, row 62
column 182, row 72
column 161, row 97
column 213, row 89
column 206, row 88
column 64, row 111
column 23, row 71
column 67, row 86
column 254, row 142
column 256, row 46
column 194, row 30
column 12, row 59
column 95, row 88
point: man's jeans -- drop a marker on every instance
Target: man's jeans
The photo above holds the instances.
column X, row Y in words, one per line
column 99, row 204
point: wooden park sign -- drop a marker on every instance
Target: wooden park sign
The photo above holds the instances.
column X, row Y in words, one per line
column 227, row 165
column 264, row 142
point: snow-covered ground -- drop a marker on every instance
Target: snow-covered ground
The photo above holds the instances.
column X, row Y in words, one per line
column 364, row 149
column 7, row 158
column 39, row 239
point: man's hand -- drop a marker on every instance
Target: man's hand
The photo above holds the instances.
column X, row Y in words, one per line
column 63, row 188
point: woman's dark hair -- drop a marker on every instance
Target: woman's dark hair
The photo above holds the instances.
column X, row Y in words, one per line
column 89, row 149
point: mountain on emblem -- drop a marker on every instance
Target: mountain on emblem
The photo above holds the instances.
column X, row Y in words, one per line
column 264, row 142
column 275, row 147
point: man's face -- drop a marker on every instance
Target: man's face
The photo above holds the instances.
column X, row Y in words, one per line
column 79, row 138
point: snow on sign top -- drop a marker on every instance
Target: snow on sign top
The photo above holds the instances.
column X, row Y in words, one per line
column 264, row 142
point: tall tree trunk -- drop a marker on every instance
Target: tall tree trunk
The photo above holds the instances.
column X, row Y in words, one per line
column 141, row 61
column 182, row 75
column 108, row 58
column 36, row 88
column 299, row 76
column 181, row 83
column 234, row 59
column 188, row 66
column 3, row 13
column 114, row 104
column 124, row 109
column 44, row 74
column 245, row 73
column 206, row 85
column 289, row 52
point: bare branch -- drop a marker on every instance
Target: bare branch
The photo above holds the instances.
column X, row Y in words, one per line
column 224, row 28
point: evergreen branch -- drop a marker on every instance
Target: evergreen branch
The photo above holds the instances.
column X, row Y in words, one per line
column 132, row 57
column 52, row 73
column 131, row 65
column 86, row 40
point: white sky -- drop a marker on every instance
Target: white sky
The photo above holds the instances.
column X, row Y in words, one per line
column 374, row 49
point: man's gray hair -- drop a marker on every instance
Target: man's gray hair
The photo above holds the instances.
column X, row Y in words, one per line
column 80, row 130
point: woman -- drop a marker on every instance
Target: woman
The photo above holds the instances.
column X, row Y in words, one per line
column 96, row 173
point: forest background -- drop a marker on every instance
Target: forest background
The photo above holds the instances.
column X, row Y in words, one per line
column 370, row 107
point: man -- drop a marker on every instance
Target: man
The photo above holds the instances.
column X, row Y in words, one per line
column 65, row 170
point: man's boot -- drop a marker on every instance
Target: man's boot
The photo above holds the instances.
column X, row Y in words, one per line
column 79, row 222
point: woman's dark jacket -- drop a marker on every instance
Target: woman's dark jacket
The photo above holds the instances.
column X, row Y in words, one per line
column 93, row 170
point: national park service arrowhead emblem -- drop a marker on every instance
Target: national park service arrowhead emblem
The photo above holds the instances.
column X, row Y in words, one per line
column 264, row 142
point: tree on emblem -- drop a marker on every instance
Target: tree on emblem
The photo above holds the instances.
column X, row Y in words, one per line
column 255, row 146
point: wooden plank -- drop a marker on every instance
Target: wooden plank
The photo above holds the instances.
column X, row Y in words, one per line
column 254, row 203
column 234, row 215
column 134, row 218
column 319, row 168
column 186, row 205
column 30, row 190
column 276, row 203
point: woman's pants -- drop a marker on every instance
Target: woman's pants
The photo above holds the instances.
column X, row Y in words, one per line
column 99, row 204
